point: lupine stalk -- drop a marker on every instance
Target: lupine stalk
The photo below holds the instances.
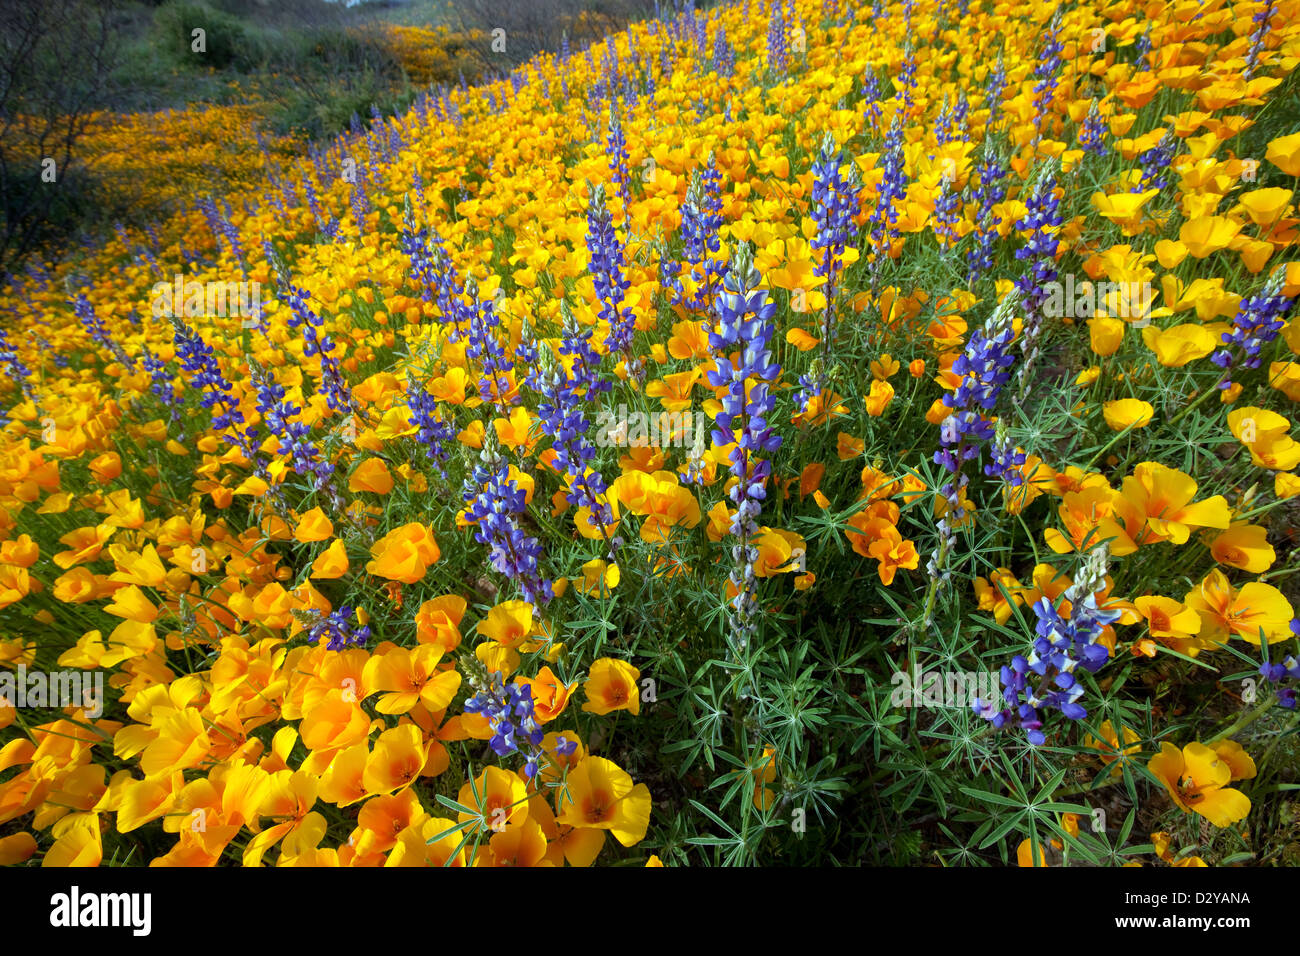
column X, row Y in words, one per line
column 293, row 438
column 746, row 323
column 510, row 714
column 1263, row 24
column 564, row 418
column 835, row 202
column 616, row 151
column 984, row 368
column 215, row 392
column 990, row 191
column 1046, row 678
column 1046, row 73
column 1043, row 220
column 13, row 366
column 892, row 189
column 98, row 332
column 1155, row 163
column 1092, row 134
column 606, row 266
column 160, row 384
column 871, row 108
column 1258, row 321
column 335, row 628
column 777, row 52
column 997, row 85
column 338, row 394
column 494, row 506
column 484, row 346
column 701, row 221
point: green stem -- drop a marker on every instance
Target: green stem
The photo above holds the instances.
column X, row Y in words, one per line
column 1277, row 740
column 1200, row 400
column 1245, row 720
column 1107, row 447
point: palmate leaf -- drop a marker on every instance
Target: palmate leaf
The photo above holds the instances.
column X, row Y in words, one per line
column 716, row 819
column 996, row 798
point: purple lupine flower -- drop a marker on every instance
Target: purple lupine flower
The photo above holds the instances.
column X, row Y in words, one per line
column 510, row 714
column 143, row 253
column 220, row 226
column 337, row 631
column 431, row 267
column 494, row 504
column 160, row 383
column 1007, row 460
column 724, row 55
column 746, row 319
column 1258, row 321
column 454, row 309
column 13, row 366
column 777, row 52
column 947, row 209
column 606, row 266
column 293, row 438
column 1092, row 134
column 990, row 190
column 527, row 355
column 997, row 85
column 1155, row 164
column 564, row 418
column 616, row 152
column 611, row 61
column 1278, row 671
column 360, row 201
column 1046, row 678
column 330, row 227
column 435, row 433
column 701, row 35
column 983, row 368
column 1042, row 219
column 907, row 79
column 835, row 202
column 959, row 115
column 215, row 393
column 338, row 395
column 1047, row 71
column 484, row 346
column 98, row 332
column 701, row 221
column 892, row 189
column 872, row 111
column 231, row 233
column 1263, row 24
column 1143, row 44
column 943, row 124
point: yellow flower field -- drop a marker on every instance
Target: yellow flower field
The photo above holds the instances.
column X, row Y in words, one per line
column 621, row 462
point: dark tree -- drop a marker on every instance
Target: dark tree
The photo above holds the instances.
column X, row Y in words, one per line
column 56, row 60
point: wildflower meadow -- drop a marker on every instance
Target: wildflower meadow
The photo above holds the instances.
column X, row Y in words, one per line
column 781, row 433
